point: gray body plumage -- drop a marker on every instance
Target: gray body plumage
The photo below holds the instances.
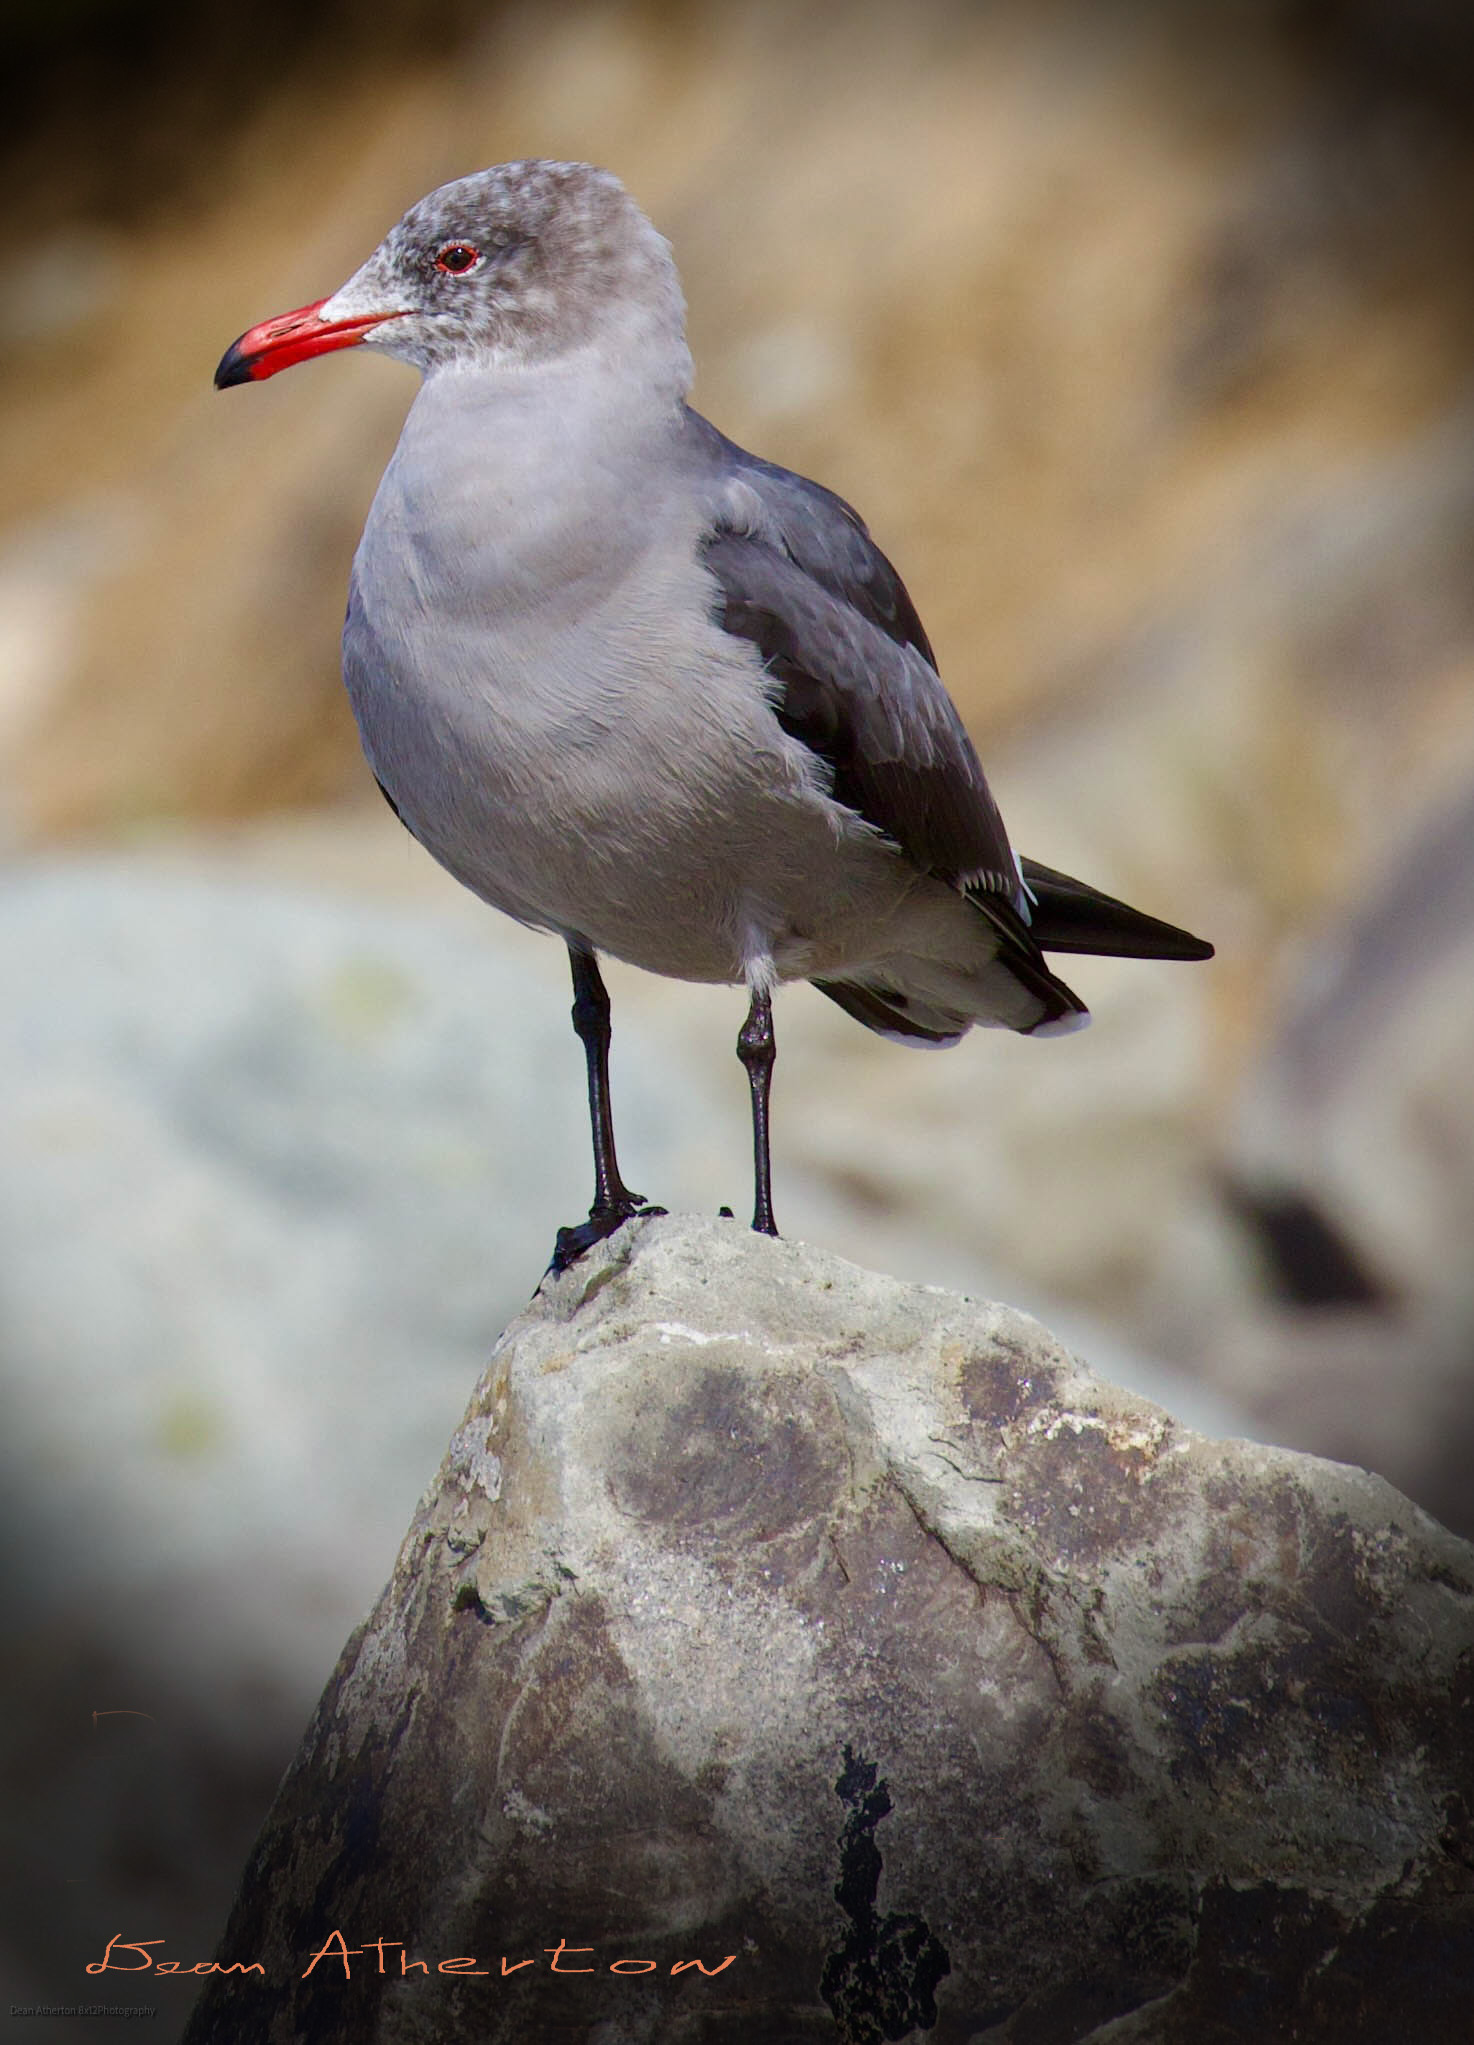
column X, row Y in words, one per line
column 535, row 659
column 594, row 650
column 638, row 687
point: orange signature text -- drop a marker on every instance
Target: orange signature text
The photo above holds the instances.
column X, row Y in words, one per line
column 108, row 1965
column 336, row 1951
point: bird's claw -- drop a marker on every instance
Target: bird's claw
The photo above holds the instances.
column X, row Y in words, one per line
column 573, row 1242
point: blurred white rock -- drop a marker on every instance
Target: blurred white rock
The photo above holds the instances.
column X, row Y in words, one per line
column 276, row 1172
column 278, row 1167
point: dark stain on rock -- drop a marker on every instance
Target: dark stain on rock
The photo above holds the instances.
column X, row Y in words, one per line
column 301, row 1880
column 1242, row 1710
column 1284, row 1556
column 1257, row 1946
column 1097, row 1750
column 1150, row 1923
column 1128, row 1942
column 1343, row 1585
column 723, row 1464
column 1280, row 1963
column 881, row 1982
column 1230, row 1581
column 1441, row 1572
column 1002, row 1383
column 1407, row 1954
column 577, row 1743
column 1084, row 1496
column 1457, row 1837
column 1442, row 1723
column 902, row 1619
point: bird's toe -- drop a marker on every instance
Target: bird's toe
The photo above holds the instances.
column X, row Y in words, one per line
column 574, row 1241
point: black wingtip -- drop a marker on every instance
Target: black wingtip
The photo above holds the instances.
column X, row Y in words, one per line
column 1103, row 936
column 1069, row 916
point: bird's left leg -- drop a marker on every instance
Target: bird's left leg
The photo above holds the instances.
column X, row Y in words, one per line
column 757, row 1047
column 614, row 1203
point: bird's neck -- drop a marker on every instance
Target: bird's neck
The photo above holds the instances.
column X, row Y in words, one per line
column 589, row 409
column 514, row 484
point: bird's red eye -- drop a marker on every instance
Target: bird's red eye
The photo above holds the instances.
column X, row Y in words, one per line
column 457, row 257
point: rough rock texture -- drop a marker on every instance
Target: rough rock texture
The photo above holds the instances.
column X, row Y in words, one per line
column 764, row 1607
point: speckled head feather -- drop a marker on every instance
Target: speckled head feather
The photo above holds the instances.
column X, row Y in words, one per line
column 518, row 265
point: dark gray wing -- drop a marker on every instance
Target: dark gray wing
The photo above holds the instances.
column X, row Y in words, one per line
column 799, row 576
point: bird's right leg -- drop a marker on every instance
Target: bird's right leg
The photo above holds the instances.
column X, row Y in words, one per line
column 758, row 1049
column 614, row 1203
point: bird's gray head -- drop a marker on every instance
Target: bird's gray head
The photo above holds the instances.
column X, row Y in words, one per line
column 506, row 269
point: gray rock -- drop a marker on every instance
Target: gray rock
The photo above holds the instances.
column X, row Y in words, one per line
column 769, row 1609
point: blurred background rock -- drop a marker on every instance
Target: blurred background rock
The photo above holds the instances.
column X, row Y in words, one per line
column 1142, row 336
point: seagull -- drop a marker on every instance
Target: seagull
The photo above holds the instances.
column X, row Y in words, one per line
column 643, row 690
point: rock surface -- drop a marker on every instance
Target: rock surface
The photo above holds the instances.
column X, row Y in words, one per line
column 764, row 1607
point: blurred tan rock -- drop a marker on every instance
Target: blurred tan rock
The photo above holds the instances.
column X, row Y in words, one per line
column 1363, row 1098
column 1351, row 1157
column 1386, row 1388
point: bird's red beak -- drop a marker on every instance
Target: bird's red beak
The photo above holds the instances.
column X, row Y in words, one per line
column 291, row 337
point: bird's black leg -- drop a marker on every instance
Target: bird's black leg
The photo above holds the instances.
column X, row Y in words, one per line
column 758, row 1048
column 613, row 1201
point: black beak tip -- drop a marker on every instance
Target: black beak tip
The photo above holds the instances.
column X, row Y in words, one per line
column 234, row 368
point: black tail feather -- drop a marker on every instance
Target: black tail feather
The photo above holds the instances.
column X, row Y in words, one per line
column 1068, row 916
